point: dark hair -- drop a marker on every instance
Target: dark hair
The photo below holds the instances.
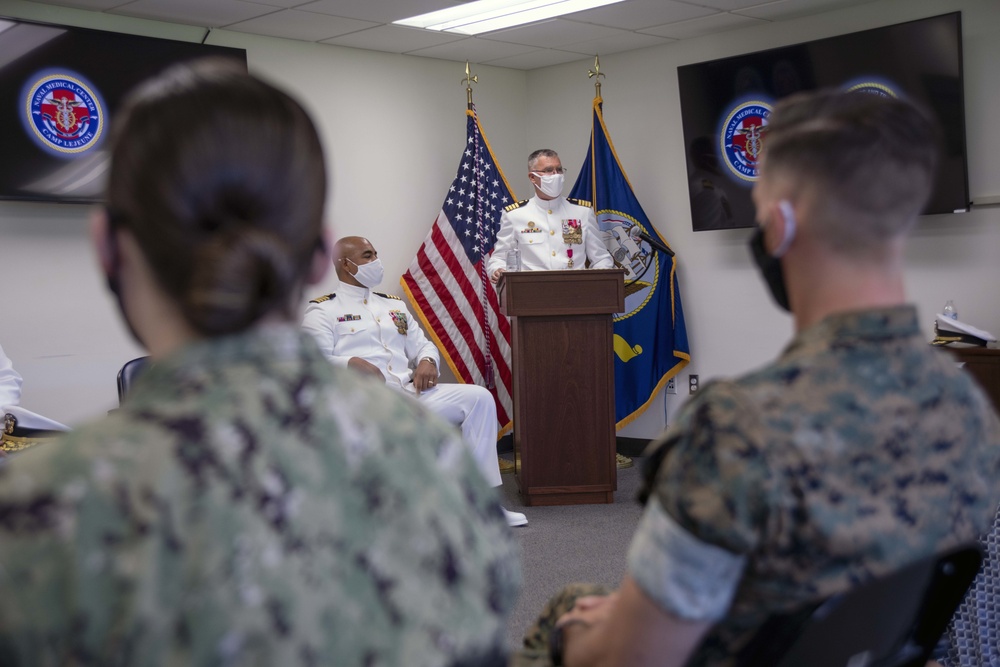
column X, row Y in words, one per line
column 541, row 152
column 220, row 177
column 867, row 161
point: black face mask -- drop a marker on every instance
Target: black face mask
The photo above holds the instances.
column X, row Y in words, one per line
column 770, row 269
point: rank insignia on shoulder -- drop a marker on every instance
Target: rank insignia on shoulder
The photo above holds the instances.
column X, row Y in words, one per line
column 580, row 202
column 515, row 205
column 388, row 296
column 324, row 298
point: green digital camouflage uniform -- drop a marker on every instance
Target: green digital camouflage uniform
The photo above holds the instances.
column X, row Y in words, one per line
column 860, row 449
column 252, row 505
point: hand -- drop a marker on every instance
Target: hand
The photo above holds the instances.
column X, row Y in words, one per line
column 365, row 368
column 496, row 276
column 425, row 376
column 587, row 617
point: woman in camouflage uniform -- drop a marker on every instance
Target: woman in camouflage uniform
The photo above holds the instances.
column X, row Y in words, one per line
column 249, row 504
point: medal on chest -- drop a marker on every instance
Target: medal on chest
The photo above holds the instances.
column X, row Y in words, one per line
column 399, row 319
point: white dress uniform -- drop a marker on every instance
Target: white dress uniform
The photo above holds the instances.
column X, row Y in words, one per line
column 357, row 322
column 10, row 382
column 552, row 234
column 20, row 428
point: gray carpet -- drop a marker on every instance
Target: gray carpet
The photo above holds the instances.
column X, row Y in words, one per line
column 565, row 544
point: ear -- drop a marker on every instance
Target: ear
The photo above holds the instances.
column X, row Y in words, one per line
column 320, row 260
column 104, row 241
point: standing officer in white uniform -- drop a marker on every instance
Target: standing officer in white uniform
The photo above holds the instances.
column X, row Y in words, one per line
column 376, row 335
column 552, row 233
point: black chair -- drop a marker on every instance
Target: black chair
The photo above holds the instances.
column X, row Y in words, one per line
column 128, row 374
column 892, row 621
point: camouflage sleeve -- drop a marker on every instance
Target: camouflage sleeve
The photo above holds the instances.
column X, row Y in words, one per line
column 714, row 480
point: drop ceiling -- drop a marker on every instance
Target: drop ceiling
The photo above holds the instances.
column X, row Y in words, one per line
column 367, row 24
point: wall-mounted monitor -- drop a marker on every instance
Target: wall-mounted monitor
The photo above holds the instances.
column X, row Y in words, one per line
column 60, row 87
column 725, row 105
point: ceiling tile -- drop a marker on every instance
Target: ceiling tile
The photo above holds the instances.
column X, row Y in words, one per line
column 703, row 26
column 536, row 59
column 789, row 9
column 730, row 5
column 94, row 5
column 627, row 41
column 553, row 33
column 295, row 24
column 395, row 39
column 474, row 50
column 379, row 11
column 287, row 4
column 636, row 14
column 214, row 14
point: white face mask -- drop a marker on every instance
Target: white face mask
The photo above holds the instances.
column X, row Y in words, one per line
column 370, row 275
column 551, row 185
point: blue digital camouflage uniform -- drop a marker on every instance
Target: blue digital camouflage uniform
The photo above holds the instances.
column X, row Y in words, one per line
column 860, row 449
column 252, row 505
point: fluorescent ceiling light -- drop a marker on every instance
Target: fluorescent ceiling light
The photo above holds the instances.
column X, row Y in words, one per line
column 474, row 18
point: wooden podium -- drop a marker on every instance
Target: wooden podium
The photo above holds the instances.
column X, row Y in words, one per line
column 564, row 382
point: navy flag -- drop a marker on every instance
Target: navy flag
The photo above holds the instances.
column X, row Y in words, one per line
column 651, row 344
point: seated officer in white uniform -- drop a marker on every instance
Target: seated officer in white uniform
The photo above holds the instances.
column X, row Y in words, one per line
column 551, row 232
column 375, row 334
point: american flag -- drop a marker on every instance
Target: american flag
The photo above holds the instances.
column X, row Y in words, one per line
column 447, row 282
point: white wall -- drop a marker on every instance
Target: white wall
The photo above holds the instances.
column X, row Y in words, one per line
column 394, row 126
column 732, row 324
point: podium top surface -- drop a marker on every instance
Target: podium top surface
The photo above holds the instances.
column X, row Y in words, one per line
column 579, row 292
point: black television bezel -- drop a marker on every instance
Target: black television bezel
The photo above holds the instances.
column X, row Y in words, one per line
column 209, row 50
column 959, row 133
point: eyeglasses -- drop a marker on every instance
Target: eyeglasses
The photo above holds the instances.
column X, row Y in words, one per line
column 551, row 170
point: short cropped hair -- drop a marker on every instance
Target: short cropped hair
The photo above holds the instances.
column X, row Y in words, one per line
column 220, row 178
column 867, row 163
column 541, row 152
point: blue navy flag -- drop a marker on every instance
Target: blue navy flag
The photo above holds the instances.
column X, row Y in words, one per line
column 651, row 344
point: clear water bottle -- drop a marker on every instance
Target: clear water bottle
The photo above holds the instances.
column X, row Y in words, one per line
column 514, row 260
column 949, row 310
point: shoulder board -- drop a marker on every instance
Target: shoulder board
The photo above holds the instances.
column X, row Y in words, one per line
column 324, row 298
column 580, row 202
column 517, row 204
column 387, row 296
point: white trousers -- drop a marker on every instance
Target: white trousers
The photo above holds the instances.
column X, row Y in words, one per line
column 473, row 409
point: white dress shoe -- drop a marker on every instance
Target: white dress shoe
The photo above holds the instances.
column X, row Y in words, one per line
column 515, row 518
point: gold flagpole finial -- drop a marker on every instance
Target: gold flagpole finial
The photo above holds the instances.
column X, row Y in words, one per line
column 468, row 81
column 596, row 73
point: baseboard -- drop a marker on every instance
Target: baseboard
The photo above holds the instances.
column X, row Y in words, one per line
column 625, row 446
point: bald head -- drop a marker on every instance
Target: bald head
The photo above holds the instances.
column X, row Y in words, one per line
column 350, row 252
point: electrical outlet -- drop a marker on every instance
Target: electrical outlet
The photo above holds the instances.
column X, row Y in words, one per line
column 672, row 386
column 692, row 384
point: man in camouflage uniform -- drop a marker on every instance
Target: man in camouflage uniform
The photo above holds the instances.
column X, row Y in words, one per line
column 859, row 450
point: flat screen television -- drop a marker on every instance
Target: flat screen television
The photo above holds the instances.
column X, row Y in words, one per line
column 59, row 89
column 725, row 104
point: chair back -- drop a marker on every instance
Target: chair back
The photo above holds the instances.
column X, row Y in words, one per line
column 128, row 375
column 892, row 621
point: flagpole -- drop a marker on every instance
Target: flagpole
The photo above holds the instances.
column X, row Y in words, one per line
column 595, row 74
column 468, row 81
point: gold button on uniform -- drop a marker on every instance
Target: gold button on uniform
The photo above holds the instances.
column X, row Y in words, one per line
column 390, row 367
column 552, row 233
column 550, row 211
column 553, row 253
